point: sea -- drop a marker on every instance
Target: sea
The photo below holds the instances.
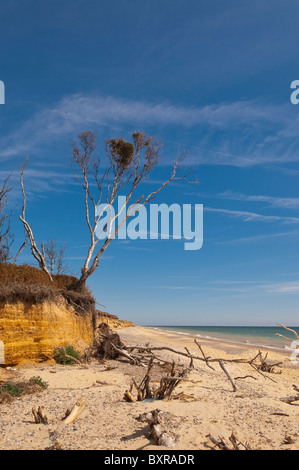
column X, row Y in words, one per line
column 254, row 335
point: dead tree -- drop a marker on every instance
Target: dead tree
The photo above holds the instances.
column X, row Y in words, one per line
column 38, row 254
column 61, row 267
column 6, row 237
column 128, row 165
column 55, row 257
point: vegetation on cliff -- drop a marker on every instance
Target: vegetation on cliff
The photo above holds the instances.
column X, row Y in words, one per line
column 24, row 283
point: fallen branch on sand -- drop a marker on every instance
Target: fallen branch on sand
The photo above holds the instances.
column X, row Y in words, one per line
column 73, row 414
column 222, row 445
column 266, row 367
column 230, row 378
column 291, row 399
column 109, row 345
column 260, row 367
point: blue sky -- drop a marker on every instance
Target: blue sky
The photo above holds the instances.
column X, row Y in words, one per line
column 212, row 77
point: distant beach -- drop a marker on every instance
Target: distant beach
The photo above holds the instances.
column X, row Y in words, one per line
column 260, row 336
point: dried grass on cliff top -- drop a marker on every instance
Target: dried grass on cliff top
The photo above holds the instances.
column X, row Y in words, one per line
column 26, row 283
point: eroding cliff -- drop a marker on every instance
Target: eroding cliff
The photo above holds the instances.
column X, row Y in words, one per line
column 37, row 315
column 31, row 331
column 112, row 320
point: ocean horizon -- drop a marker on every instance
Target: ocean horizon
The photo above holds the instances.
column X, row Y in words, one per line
column 254, row 335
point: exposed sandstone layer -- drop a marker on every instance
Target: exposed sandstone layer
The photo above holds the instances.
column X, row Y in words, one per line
column 31, row 331
column 112, row 320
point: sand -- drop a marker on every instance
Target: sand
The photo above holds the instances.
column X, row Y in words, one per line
column 254, row 413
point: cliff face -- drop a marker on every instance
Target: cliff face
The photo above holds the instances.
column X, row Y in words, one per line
column 32, row 331
column 112, row 320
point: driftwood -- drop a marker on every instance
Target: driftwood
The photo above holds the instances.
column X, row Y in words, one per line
column 288, row 440
column 108, row 345
column 70, row 414
column 265, row 366
column 39, row 415
column 128, row 395
column 230, row 378
column 291, row 399
column 167, row 385
column 73, row 414
column 222, row 445
column 258, row 363
column 161, row 438
column 288, row 329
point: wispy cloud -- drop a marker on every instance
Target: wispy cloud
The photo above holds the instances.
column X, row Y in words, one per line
column 253, row 216
column 284, row 288
column 279, row 202
column 238, row 287
column 248, row 132
column 259, row 238
column 40, row 181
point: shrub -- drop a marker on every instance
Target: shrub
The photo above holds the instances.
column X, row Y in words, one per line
column 37, row 380
column 61, row 358
column 12, row 389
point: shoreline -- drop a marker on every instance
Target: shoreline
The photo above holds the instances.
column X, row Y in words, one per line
column 216, row 343
column 220, row 340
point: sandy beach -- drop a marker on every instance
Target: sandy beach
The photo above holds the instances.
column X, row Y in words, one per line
column 202, row 404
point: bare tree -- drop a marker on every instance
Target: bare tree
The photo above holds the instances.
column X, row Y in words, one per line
column 51, row 255
column 6, row 237
column 128, row 165
column 55, row 257
column 38, row 254
column 61, row 267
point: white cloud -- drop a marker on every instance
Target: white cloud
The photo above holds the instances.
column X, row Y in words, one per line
column 259, row 238
column 282, row 202
column 284, row 288
column 239, row 125
column 253, row 216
